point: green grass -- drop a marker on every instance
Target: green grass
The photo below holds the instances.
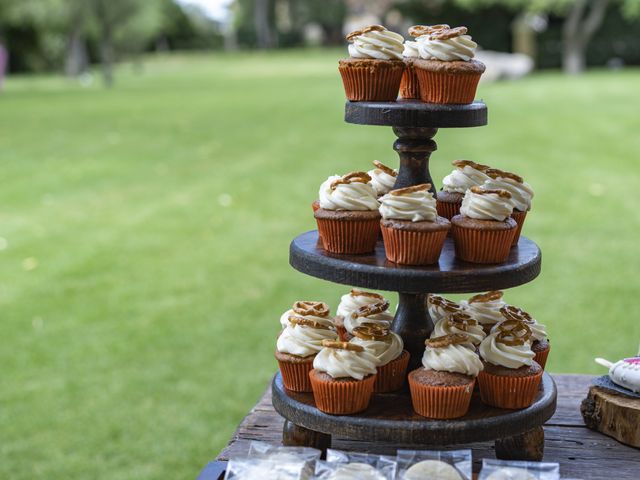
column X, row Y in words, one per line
column 145, row 230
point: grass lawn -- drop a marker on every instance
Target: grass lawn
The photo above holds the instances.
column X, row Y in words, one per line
column 144, row 236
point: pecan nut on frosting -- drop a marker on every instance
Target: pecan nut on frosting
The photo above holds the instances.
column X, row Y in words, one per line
column 306, row 307
column 446, row 340
column 342, row 345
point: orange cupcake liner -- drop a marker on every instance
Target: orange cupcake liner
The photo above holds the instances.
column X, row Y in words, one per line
column 371, row 84
column 341, row 397
column 508, row 392
column 409, row 86
column 448, row 210
column 295, row 376
column 482, row 246
column 348, row 236
column 315, row 205
column 440, row 402
column 541, row 357
column 442, row 87
column 519, row 218
column 413, row 248
column 391, row 376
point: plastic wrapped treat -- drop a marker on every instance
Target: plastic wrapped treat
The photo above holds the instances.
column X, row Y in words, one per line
column 518, row 470
column 434, row 465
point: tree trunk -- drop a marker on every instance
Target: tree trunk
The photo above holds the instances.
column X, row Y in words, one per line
column 577, row 31
column 106, row 42
column 76, row 61
column 262, row 19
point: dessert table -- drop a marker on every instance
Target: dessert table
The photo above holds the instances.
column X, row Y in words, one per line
column 582, row 453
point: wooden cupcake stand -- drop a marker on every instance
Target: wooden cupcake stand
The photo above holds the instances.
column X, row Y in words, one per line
column 390, row 418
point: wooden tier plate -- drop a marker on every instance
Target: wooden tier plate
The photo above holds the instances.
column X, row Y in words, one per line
column 390, row 418
column 450, row 275
column 416, row 114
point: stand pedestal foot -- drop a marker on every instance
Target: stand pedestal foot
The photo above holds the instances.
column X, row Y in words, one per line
column 296, row 436
column 526, row 446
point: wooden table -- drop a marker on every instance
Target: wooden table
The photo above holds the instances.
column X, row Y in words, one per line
column 582, row 453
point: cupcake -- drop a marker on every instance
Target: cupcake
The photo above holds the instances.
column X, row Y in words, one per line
column 539, row 340
column 348, row 218
column 521, row 194
column 383, row 178
column 467, row 174
column 446, row 70
column 354, row 300
column 374, row 68
column 442, row 387
column 485, row 308
column 440, row 307
column 391, row 358
column 484, row 230
column 460, row 323
column 412, row 231
column 372, row 315
column 298, row 345
column 342, row 378
column 511, row 377
column 409, row 87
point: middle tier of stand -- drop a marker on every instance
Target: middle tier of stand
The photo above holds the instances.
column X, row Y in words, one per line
column 449, row 275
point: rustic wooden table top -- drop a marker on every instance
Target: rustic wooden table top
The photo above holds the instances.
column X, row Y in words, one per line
column 582, row 453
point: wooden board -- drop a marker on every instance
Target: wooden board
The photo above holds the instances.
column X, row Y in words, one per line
column 416, row 114
column 613, row 414
column 449, row 275
column 582, row 453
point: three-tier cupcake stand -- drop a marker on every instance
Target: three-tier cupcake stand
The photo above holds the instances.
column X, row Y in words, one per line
column 390, row 418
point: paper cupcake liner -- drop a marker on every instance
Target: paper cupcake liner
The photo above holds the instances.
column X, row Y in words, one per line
column 448, row 210
column 413, row 248
column 541, row 357
column 295, row 376
column 341, row 397
column 371, row 84
column 409, row 86
column 440, row 402
column 348, row 236
column 508, row 392
column 391, row 376
column 315, row 205
column 442, row 87
column 519, row 218
column 482, row 246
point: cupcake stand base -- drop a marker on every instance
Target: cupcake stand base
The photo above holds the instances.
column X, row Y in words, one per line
column 390, row 417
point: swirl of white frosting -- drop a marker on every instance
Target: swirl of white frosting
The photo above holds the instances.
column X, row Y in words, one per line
column 462, row 179
column 474, row 332
column 341, row 363
column 411, row 49
column 302, row 341
column 456, row 48
column 486, row 206
column 510, row 356
column 452, row 358
column 347, row 196
column 349, row 303
column 486, row 313
column 383, row 350
column 521, row 193
column 381, row 181
column 380, row 45
column 383, row 319
column 417, row 206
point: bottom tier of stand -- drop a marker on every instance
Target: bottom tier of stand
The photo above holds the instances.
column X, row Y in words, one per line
column 390, row 418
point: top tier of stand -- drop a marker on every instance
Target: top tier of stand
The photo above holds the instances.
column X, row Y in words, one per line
column 412, row 113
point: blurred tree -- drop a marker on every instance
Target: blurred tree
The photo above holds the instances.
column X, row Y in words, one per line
column 582, row 19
